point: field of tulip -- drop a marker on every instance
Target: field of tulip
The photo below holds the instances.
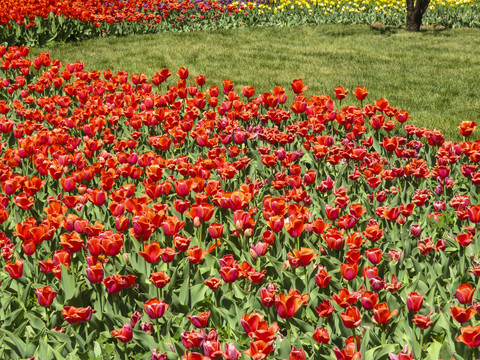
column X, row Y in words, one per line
column 34, row 22
column 155, row 218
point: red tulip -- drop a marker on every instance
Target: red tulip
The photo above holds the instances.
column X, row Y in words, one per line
column 155, row 308
column 349, row 271
column 95, row 273
column 151, row 252
column 213, row 283
column 125, row 334
column 382, row 314
column 159, row 279
column 464, row 293
column 297, row 354
column 361, row 93
column 369, row 300
column 215, row 230
column 423, row 322
column 15, row 269
column 414, row 301
column 45, row 295
column 462, row 315
column 322, row 278
column 200, row 320
column 466, row 128
column 259, row 349
column 374, row 255
column 351, row 317
column 287, row 305
column 470, row 336
column 73, row 315
column 321, row 336
column 297, row 86
column 340, row 92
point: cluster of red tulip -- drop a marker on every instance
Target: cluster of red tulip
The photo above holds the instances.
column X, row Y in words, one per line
column 27, row 22
column 344, row 229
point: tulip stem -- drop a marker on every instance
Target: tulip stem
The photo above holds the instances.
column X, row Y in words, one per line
column 47, row 314
column 384, row 335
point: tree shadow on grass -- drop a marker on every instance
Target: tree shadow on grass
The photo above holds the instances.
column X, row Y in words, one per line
column 386, row 30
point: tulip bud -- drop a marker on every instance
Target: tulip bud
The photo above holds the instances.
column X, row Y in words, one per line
column 414, row 301
column 416, row 230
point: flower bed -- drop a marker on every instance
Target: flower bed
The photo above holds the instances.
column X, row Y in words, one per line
column 36, row 22
column 156, row 218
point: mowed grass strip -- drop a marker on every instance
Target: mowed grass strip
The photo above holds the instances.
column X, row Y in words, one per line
column 434, row 75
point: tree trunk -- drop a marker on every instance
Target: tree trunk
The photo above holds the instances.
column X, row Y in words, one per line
column 415, row 11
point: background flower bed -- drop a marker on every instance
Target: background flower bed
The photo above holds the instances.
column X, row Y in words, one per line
column 117, row 178
column 38, row 23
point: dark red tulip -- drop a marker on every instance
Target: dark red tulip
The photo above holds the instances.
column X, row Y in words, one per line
column 200, row 320
column 125, row 334
column 464, row 293
column 414, row 301
column 321, row 336
column 45, row 295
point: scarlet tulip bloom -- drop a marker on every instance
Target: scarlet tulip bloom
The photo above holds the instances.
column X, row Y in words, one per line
column 15, row 270
column 349, row 271
column 348, row 353
column 474, row 213
column 321, row 336
column 112, row 243
column 369, row 300
column 215, row 230
column 95, row 273
column 259, row 349
column 351, row 317
column 361, row 93
column 466, row 128
column 297, row 86
column 414, row 301
column 250, row 322
column 296, row 354
column 461, row 314
column 45, row 295
column 340, row 92
column 346, row 298
column 374, row 255
column 213, row 283
column 117, row 283
column 151, row 252
column 229, row 274
column 464, row 293
column 159, row 279
column 267, row 295
column 322, row 278
column 155, row 308
column 423, row 322
column 470, row 336
column 302, row 257
column 287, row 305
column 200, row 320
column 125, row 334
column 71, row 242
column 382, row 314
column 73, row 315
column 325, row 309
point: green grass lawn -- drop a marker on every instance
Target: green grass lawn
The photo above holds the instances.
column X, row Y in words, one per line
column 434, row 74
